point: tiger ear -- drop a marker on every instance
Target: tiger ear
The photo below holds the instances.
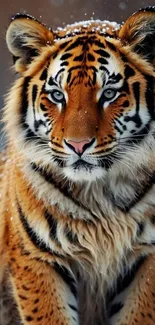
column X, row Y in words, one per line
column 139, row 32
column 25, row 37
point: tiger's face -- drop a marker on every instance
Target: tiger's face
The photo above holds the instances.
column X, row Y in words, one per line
column 85, row 100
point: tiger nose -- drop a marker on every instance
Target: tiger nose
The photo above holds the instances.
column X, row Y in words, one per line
column 79, row 146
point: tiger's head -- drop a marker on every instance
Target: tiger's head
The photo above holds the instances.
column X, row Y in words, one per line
column 85, row 97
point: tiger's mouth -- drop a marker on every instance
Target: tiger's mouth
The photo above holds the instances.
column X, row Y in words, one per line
column 87, row 164
column 82, row 164
column 105, row 163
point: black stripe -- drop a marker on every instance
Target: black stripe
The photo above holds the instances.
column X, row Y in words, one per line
column 128, row 72
column 117, row 120
column 72, row 238
column 58, row 151
column 150, row 98
column 30, row 232
column 125, row 279
column 63, row 45
column 59, row 72
column 80, row 75
column 55, row 55
column 102, row 61
column 44, row 74
column 73, row 307
column 74, row 68
column 33, row 236
column 56, row 144
column 123, row 57
column 59, row 162
column 15, row 58
column 79, row 58
column 94, row 78
column 118, row 129
column 38, row 123
column 91, row 57
column 111, row 46
column 66, row 276
column 102, row 68
column 78, row 67
column 115, row 308
column 64, row 189
column 114, row 78
column 91, row 67
column 140, row 193
column 136, row 118
column 43, row 108
column 52, row 225
column 66, row 56
column 152, row 219
column 34, row 95
column 125, row 104
column 65, row 63
column 24, row 96
column 141, row 227
column 30, row 135
column 136, row 91
column 69, row 77
column 139, row 135
column 73, row 45
column 52, row 82
column 125, row 87
column 103, row 151
column 99, row 44
column 102, row 53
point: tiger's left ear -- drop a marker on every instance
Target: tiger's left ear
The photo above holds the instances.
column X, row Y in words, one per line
column 25, row 38
column 139, row 33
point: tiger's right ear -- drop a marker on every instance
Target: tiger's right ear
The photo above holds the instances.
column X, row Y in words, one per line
column 25, row 38
column 139, row 33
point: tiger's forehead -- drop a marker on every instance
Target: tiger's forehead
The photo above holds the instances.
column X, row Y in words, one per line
column 88, row 56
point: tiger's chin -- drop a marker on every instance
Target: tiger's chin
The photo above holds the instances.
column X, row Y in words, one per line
column 83, row 174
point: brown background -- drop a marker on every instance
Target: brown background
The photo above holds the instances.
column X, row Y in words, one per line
column 57, row 13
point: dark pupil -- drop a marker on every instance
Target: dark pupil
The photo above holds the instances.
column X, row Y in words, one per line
column 110, row 92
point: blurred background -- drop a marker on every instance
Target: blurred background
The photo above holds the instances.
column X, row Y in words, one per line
column 55, row 13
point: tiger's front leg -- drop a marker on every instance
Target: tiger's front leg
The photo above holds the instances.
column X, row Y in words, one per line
column 43, row 294
column 138, row 300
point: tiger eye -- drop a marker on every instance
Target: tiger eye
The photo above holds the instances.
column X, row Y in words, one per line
column 57, row 96
column 109, row 93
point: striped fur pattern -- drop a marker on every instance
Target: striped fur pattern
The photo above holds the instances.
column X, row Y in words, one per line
column 77, row 194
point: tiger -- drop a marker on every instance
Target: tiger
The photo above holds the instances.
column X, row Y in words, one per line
column 77, row 212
